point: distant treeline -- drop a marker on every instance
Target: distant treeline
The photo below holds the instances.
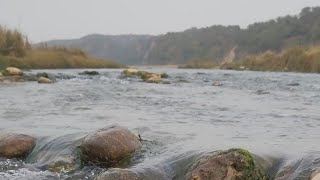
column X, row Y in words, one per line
column 15, row 50
column 216, row 42
column 212, row 43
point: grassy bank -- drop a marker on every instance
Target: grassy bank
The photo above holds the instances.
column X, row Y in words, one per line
column 298, row 59
column 199, row 64
column 16, row 51
column 54, row 59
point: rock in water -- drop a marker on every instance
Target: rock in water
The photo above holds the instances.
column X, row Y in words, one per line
column 119, row 174
column 12, row 71
column 235, row 164
column 154, row 78
column 16, row 145
column 90, row 73
column 316, row 177
column 43, row 80
column 109, row 146
column 133, row 174
column 130, row 71
column 164, row 75
column 216, row 83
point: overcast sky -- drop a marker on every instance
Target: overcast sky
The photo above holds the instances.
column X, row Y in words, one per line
column 64, row 19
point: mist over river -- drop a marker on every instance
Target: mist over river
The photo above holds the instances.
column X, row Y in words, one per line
column 269, row 114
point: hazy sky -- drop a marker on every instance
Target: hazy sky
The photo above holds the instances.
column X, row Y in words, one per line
column 60, row 19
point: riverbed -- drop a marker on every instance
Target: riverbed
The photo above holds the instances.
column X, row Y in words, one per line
column 267, row 113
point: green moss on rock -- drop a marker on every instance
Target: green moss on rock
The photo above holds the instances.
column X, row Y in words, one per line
column 232, row 164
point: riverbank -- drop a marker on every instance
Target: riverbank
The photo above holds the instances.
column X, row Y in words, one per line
column 55, row 58
column 16, row 51
column 298, row 59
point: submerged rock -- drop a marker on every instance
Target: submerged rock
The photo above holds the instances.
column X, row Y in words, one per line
column 42, row 74
column 216, row 83
column 63, row 164
column 12, row 71
column 234, row 164
column 119, row 174
column 16, row 145
column 91, row 73
column 307, row 167
column 109, row 146
column 43, row 80
column 132, row 174
column 262, row 92
column 293, row 84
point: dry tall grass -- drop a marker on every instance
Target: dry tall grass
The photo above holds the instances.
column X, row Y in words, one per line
column 13, row 43
column 55, row 59
column 16, row 51
column 298, row 59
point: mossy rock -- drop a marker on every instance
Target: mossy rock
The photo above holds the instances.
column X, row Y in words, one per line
column 164, row 75
column 4, row 73
column 130, row 71
column 232, row 164
column 155, row 78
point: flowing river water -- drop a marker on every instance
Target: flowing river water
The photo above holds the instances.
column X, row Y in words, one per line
column 270, row 114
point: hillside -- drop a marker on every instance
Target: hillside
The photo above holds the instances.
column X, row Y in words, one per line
column 125, row 49
column 214, row 44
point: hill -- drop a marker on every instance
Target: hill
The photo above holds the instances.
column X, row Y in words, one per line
column 215, row 44
column 125, row 49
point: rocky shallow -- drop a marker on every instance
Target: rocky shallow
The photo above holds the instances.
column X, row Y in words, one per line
column 90, row 155
column 113, row 148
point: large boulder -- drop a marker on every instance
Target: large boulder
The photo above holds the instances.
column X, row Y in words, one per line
column 316, row 177
column 109, row 146
column 44, row 80
column 16, row 145
column 234, row 164
column 12, row 71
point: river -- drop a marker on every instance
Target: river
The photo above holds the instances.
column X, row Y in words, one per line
column 270, row 114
